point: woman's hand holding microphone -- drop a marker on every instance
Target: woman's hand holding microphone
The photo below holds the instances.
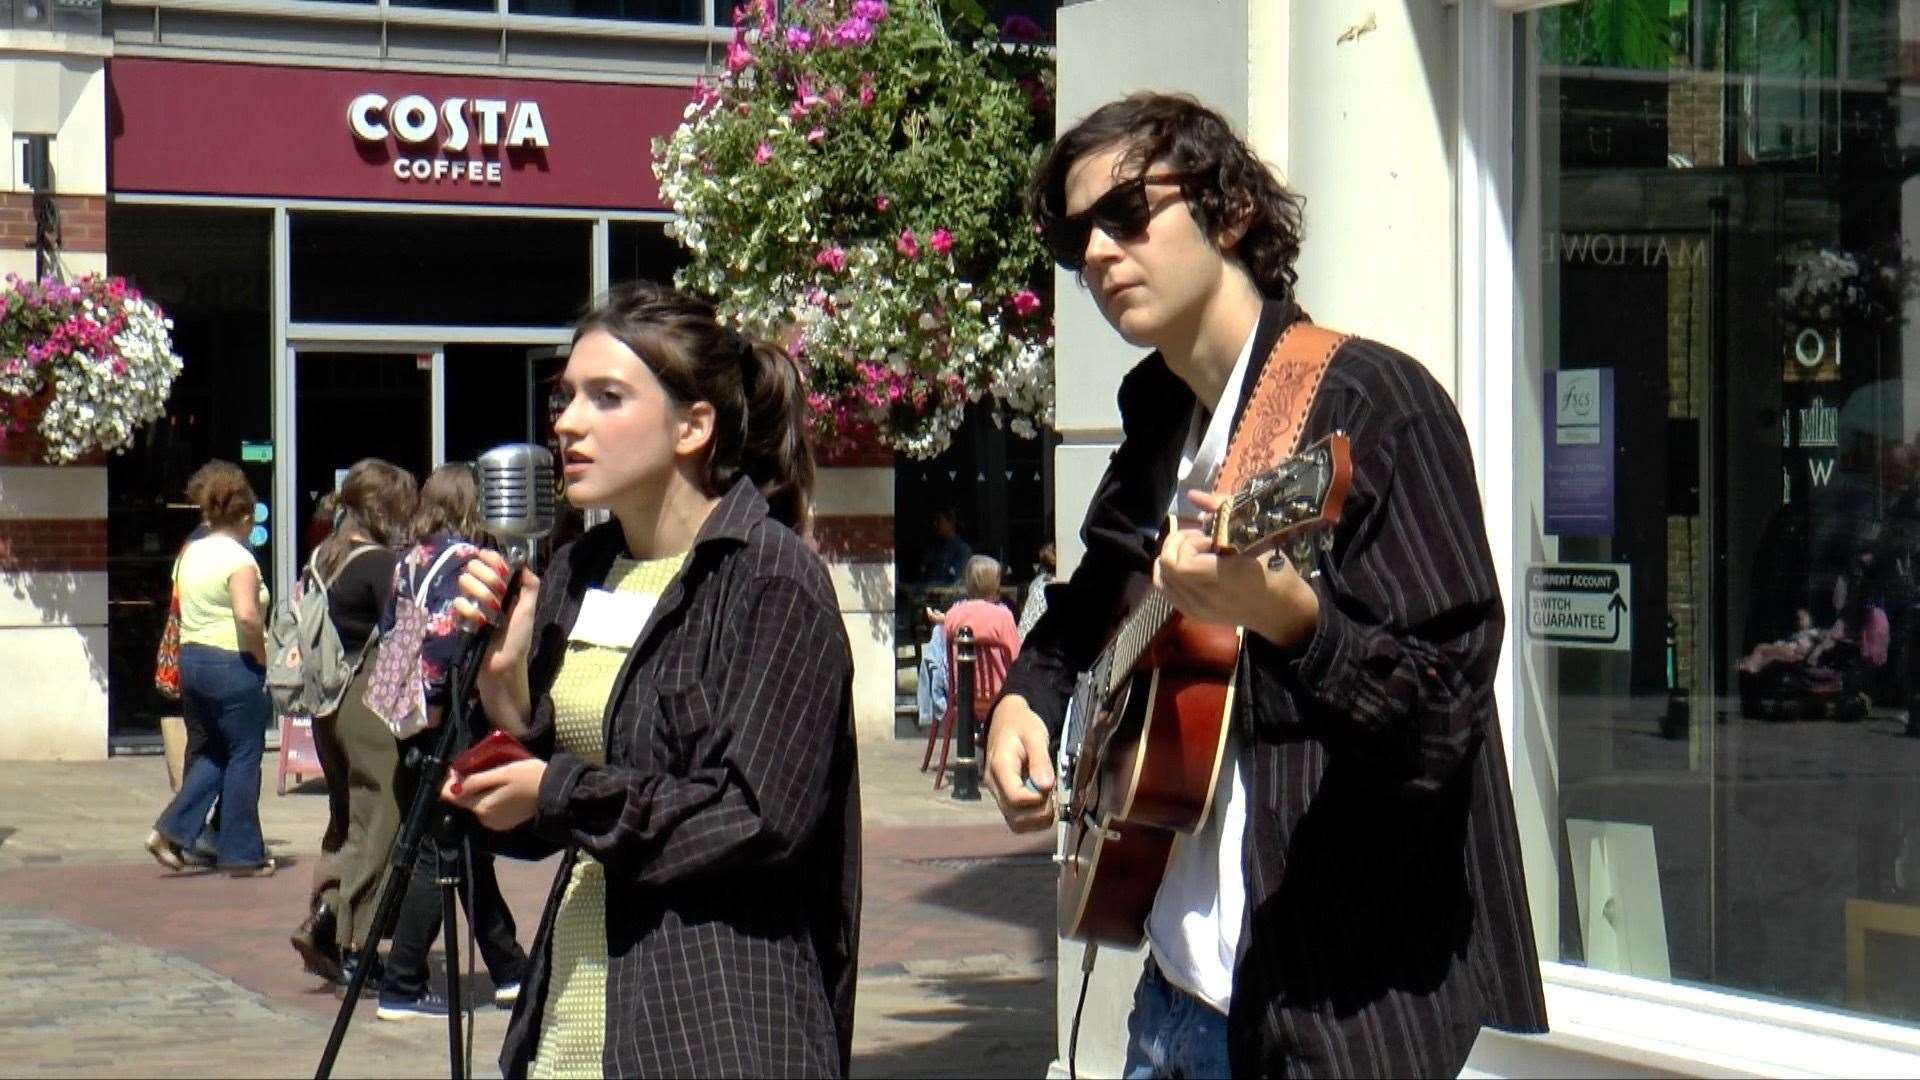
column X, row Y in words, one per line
column 504, row 797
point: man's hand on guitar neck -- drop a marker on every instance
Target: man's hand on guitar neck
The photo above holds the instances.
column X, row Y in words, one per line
column 1234, row 590
column 1019, row 774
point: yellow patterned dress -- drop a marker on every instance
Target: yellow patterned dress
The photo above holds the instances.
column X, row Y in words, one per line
column 574, row 1028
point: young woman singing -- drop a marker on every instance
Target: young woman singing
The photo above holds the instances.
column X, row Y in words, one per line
column 683, row 679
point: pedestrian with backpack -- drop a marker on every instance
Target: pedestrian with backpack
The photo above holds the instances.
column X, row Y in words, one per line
column 419, row 641
column 319, row 668
column 222, row 658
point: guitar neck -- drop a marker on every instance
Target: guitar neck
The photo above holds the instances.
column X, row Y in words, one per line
column 1143, row 624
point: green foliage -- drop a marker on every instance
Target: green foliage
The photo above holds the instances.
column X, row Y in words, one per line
column 1636, row 34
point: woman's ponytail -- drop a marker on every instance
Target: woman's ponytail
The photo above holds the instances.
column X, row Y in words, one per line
column 776, row 453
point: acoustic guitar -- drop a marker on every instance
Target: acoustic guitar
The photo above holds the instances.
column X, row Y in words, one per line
column 1149, row 719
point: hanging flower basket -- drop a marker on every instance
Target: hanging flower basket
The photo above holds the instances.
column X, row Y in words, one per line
column 84, row 364
column 853, row 184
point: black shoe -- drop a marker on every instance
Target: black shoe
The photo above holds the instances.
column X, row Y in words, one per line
column 314, row 941
column 351, row 960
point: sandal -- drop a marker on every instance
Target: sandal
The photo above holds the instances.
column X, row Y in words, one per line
column 164, row 851
column 265, row 869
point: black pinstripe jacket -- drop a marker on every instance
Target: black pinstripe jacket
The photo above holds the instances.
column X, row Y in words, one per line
column 1387, row 915
column 727, row 815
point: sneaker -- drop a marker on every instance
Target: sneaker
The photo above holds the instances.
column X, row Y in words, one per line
column 505, row 997
column 429, row 1005
column 164, row 851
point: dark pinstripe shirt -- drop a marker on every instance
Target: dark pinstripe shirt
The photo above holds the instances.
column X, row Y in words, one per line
column 727, row 815
column 1387, row 915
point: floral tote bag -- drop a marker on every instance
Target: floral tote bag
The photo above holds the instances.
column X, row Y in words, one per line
column 396, row 691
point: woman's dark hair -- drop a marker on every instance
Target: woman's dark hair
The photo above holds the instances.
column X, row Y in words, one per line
column 1223, row 180
column 449, row 502
column 376, row 499
column 759, row 403
column 221, row 491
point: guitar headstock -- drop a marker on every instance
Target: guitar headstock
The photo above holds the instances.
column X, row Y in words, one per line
column 1296, row 499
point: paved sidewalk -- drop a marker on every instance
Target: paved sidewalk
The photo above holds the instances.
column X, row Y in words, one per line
column 116, row 967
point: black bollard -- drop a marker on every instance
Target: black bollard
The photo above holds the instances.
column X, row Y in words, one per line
column 966, row 761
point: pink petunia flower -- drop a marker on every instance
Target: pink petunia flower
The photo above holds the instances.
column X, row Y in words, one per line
column 739, row 57
column 833, row 258
column 870, row 10
column 851, row 31
column 1025, row 302
column 763, row 154
column 817, row 135
column 799, row 39
column 941, row 242
column 881, row 202
column 1021, row 29
column 907, row 245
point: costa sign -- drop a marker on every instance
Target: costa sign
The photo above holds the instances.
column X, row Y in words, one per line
column 449, row 126
column 375, row 136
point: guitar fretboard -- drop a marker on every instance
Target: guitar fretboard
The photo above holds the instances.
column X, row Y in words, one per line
column 1135, row 635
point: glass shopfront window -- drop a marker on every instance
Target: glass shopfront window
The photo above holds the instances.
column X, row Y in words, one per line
column 668, row 11
column 439, row 269
column 210, row 271
column 1717, row 436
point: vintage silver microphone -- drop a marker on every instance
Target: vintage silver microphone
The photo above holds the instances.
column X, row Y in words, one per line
column 517, row 497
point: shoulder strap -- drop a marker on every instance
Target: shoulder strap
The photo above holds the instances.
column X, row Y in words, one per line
column 1277, row 412
column 420, row 587
column 346, row 562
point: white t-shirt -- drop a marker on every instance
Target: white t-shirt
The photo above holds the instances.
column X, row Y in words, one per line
column 1194, row 928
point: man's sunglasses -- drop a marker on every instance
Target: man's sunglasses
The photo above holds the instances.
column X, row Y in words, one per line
column 1122, row 213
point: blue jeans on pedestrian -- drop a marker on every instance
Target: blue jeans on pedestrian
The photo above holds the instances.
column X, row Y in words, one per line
column 1173, row 1034
column 226, row 693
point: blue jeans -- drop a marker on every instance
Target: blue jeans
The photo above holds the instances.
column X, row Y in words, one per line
column 225, row 692
column 1173, row 1034
column 932, row 694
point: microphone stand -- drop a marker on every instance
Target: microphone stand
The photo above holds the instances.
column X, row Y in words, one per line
column 427, row 812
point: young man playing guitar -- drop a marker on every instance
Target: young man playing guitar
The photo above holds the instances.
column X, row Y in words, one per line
column 1352, row 904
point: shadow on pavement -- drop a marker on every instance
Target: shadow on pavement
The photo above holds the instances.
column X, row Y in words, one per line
column 989, row 1026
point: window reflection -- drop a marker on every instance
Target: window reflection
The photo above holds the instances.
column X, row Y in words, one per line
column 1720, row 211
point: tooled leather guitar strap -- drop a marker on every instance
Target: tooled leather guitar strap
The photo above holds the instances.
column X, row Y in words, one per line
column 1269, row 431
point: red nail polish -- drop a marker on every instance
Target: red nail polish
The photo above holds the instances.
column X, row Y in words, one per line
column 456, row 788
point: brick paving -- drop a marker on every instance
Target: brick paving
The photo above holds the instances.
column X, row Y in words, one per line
column 117, row 967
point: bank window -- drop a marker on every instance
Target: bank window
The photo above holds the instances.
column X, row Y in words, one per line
column 439, row 269
column 1718, row 494
column 668, row 11
column 642, row 251
column 448, row 5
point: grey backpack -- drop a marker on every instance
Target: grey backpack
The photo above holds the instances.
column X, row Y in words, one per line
column 307, row 668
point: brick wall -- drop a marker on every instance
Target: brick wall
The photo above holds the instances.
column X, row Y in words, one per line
column 72, row 546
column 854, row 537
column 83, row 221
column 1696, row 132
column 1695, row 116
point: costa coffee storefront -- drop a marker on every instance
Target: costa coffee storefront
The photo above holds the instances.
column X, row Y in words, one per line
column 357, row 263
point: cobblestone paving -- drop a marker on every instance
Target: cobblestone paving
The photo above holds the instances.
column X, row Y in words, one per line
column 115, row 967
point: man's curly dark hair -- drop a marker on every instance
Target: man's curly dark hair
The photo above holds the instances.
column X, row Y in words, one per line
column 1225, row 181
